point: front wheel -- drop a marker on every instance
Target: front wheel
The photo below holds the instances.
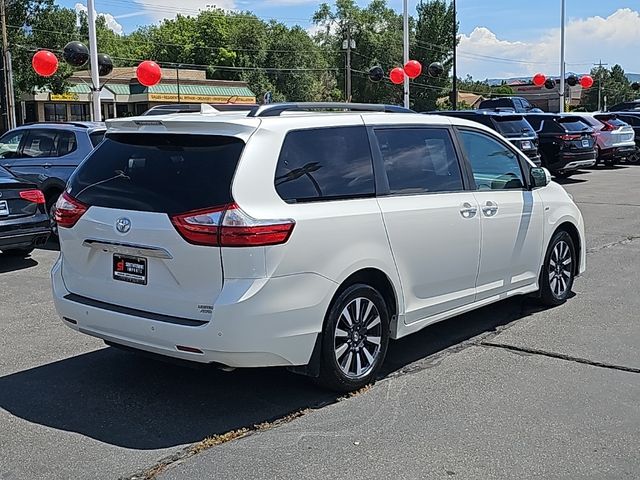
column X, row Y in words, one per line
column 634, row 158
column 558, row 271
column 354, row 339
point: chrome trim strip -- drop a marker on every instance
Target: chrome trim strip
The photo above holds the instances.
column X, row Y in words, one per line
column 128, row 249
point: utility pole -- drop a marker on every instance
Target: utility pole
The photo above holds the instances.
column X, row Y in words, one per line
column 348, row 44
column 93, row 54
column 7, row 73
column 405, row 42
column 600, row 65
column 454, row 100
column 562, row 63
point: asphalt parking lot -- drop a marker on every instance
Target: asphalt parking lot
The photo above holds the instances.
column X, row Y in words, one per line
column 509, row 391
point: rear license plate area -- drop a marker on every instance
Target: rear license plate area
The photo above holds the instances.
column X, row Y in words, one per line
column 526, row 145
column 130, row 269
column 585, row 143
column 4, row 208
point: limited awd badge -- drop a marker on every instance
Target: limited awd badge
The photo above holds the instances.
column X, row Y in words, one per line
column 123, row 225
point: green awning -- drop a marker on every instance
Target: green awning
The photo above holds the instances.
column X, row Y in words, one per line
column 212, row 90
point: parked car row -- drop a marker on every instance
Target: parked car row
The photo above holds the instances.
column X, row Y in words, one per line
column 563, row 143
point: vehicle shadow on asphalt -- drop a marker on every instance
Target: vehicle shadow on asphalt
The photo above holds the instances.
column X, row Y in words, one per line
column 134, row 402
column 13, row 264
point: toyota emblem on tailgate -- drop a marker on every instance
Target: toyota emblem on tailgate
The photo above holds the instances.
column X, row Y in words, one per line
column 123, row 225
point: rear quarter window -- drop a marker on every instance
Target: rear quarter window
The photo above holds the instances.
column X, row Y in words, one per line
column 325, row 164
column 166, row 173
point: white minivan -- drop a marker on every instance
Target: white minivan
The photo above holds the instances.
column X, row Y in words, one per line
column 289, row 236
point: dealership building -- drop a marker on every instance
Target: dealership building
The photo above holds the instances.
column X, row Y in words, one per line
column 122, row 95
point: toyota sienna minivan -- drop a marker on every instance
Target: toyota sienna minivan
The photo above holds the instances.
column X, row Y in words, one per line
column 304, row 235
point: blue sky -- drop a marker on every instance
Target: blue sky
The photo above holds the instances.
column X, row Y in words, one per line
column 523, row 35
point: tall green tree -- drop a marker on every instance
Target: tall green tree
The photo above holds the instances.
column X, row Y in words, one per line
column 377, row 32
column 435, row 33
column 612, row 84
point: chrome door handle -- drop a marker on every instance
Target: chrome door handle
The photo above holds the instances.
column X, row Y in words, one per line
column 468, row 210
column 490, row 209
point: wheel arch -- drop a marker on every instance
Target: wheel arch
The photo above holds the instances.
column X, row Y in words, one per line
column 572, row 230
column 371, row 276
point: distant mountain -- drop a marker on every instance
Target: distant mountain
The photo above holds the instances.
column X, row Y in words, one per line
column 633, row 77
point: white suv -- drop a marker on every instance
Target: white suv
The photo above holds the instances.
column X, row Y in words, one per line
column 303, row 239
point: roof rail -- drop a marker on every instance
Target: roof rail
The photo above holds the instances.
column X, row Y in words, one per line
column 275, row 109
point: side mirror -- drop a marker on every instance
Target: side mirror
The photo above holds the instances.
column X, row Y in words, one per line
column 540, row 177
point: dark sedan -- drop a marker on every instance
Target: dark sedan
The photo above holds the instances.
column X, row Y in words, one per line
column 24, row 223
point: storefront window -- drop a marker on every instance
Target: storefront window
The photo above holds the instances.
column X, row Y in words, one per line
column 55, row 112
column 80, row 112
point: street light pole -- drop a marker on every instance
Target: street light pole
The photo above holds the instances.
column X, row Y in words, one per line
column 562, row 64
column 93, row 53
column 405, row 41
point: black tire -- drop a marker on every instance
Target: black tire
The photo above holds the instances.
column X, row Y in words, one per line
column 634, row 158
column 357, row 340
column 609, row 163
column 51, row 204
column 556, row 292
column 19, row 252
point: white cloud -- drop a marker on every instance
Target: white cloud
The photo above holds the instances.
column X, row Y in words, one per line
column 613, row 39
column 163, row 9
column 112, row 23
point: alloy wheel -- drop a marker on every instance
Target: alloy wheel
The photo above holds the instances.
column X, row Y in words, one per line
column 560, row 269
column 357, row 338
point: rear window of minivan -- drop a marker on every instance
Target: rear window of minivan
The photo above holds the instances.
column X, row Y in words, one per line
column 512, row 124
column 573, row 124
column 167, row 173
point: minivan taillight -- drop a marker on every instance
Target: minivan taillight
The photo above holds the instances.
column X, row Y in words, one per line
column 68, row 211
column 230, row 226
column 33, row 196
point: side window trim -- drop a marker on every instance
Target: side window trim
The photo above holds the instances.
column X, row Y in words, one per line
column 380, row 176
column 524, row 165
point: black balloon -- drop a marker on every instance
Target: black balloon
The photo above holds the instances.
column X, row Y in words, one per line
column 435, row 69
column 635, row 86
column 376, row 74
column 550, row 84
column 105, row 65
column 75, row 54
column 572, row 80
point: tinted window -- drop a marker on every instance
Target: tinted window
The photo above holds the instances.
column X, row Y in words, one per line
column 591, row 121
column 325, row 164
column 10, row 143
column 495, row 167
column 497, row 103
column 5, row 173
column 158, row 173
column 419, row 160
column 40, row 143
column 631, row 120
column 96, row 137
column 512, row 125
column 65, row 143
column 573, row 124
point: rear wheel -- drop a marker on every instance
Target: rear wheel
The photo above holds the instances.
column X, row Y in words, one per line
column 354, row 339
column 558, row 271
column 19, row 252
column 51, row 210
column 634, row 158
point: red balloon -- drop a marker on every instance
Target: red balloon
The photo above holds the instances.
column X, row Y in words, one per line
column 413, row 68
column 44, row 63
column 397, row 75
column 148, row 73
column 539, row 79
column 586, row 81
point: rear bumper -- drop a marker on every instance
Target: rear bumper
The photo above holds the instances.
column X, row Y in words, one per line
column 256, row 323
column 24, row 233
column 574, row 161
